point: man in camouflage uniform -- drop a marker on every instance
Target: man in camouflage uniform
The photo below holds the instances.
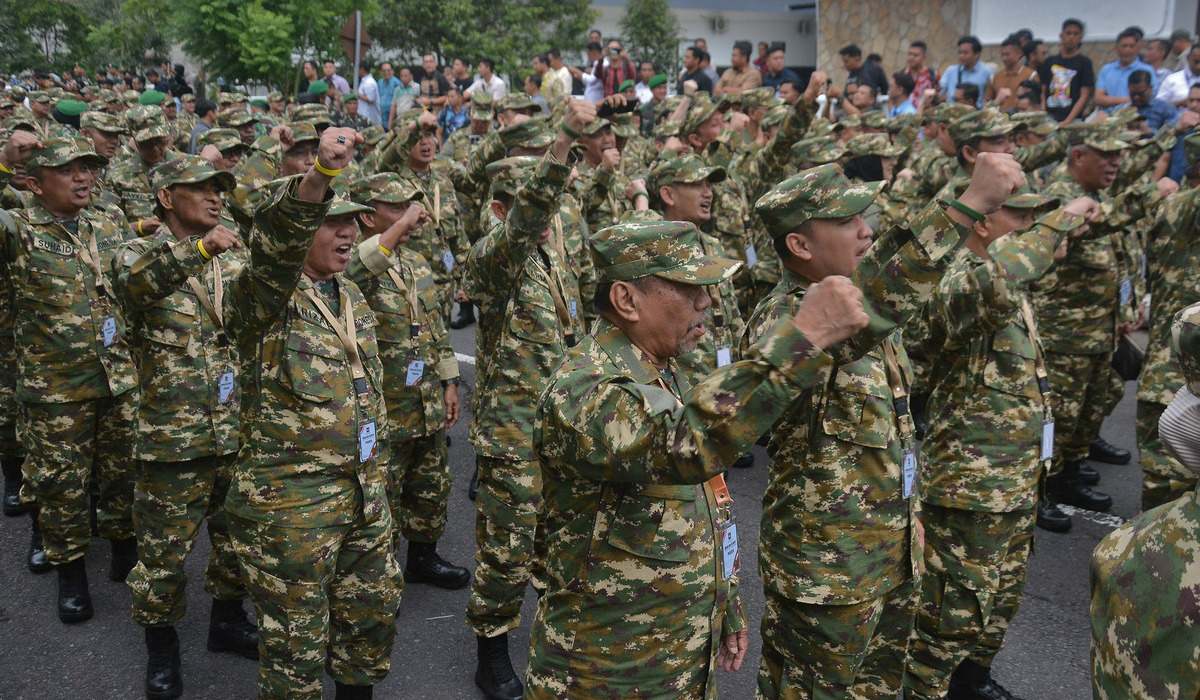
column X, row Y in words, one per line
column 441, row 240
column 186, row 122
column 986, row 430
column 1173, row 278
column 458, row 147
column 230, row 147
column 76, row 379
column 41, row 103
column 239, row 120
column 130, row 180
column 105, row 131
column 350, row 118
column 840, row 550
column 529, row 315
column 258, row 175
column 419, row 369
column 1143, row 578
column 308, row 510
column 1083, row 303
column 171, row 287
column 643, row 557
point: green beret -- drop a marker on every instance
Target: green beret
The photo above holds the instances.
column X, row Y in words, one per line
column 385, row 187
column 656, row 81
column 508, row 174
column 817, row 150
column 1185, row 343
column 871, row 145
column 259, row 102
column 687, row 168
column 350, row 98
column 190, row 170
column 670, row 250
column 71, row 108
column 823, row 192
column 625, row 85
column 152, row 97
column 60, row 151
column 985, row 123
column 318, row 87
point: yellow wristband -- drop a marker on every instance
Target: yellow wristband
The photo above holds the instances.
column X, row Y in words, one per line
column 200, row 247
column 4, row 169
column 385, row 251
column 140, row 227
column 326, row 171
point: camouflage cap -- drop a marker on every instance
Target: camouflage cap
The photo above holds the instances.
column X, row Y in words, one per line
column 189, row 97
column 871, row 145
column 534, row 132
column 508, row 174
column 131, row 96
column 6, row 102
column 623, row 125
column 817, row 150
column 985, row 123
column 304, row 131
column 514, row 100
column 823, row 192
column 109, row 96
column 340, row 206
column 152, row 97
column 274, row 96
column 1191, row 147
column 701, row 111
column 147, row 122
column 664, row 130
column 758, row 97
column 667, row 249
column 947, row 112
column 57, row 93
column 667, row 106
column 372, row 135
column 384, row 187
column 874, row 120
column 1038, row 123
column 481, row 106
column 1123, row 116
column 190, row 170
column 314, row 114
column 60, row 151
column 849, row 121
column 685, row 168
column 774, row 116
column 1185, row 341
column 234, row 117
column 222, row 139
column 1104, row 139
column 17, row 93
column 42, row 96
column 19, row 121
column 240, row 96
column 224, row 99
column 594, row 127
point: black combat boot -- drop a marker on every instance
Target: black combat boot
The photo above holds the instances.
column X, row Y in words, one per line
column 13, row 507
column 353, row 692
column 37, row 561
column 1067, row 487
column 744, row 462
column 74, row 601
column 970, row 681
column 495, row 675
column 425, row 565
column 230, row 630
column 473, row 487
column 1088, row 474
column 124, row 558
column 164, row 678
column 1103, row 451
column 466, row 315
column 1049, row 517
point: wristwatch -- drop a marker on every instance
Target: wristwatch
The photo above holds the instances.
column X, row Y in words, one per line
column 449, row 382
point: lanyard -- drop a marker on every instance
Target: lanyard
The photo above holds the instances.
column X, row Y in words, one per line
column 348, row 340
column 1042, row 376
column 717, row 483
column 557, row 291
column 437, row 206
column 213, row 309
column 410, row 294
column 899, row 393
column 91, row 257
column 714, row 293
column 612, row 205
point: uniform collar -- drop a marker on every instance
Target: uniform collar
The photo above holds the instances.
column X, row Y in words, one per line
column 35, row 213
column 623, row 353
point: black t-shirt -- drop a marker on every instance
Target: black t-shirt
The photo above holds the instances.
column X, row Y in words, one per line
column 1063, row 78
column 870, row 74
column 703, row 82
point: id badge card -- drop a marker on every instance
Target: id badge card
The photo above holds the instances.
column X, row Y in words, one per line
column 723, row 357
column 727, row 536
column 448, row 260
column 1048, row 439
column 416, row 369
column 108, row 328
column 225, row 387
column 574, row 309
column 1126, row 291
column 751, row 256
column 908, row 461
column 366, row 439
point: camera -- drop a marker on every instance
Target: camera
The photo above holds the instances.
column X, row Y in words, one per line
column 615, row 51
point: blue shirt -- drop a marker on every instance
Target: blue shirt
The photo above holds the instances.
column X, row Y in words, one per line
column 1157, row 112
column 774, row 81
column 387, row 88
column 1115, row 80
column 956, row 75
column 905, row 107
column 451, row 121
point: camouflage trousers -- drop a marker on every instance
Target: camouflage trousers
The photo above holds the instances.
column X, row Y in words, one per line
column 510, row 498
column 418, row 487
column 325, row 597
column 10, row 443
column 1164, row 479
column 170, row 502
column 835, row 652
column 73, row 447
column 1087, row 389
column 975, row 566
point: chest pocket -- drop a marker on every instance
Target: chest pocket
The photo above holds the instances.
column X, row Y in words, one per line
column 858, row 405
column 139, row 205
column 1011, row 363
column 52, row 273
column 531, row 314
column 314, row 362
column 657, row 522
column 170, row 321
column 1095, row 254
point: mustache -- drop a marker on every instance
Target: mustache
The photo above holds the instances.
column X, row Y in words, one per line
column 702, row 320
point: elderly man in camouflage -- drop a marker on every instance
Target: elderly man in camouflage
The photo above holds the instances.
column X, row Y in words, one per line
column 308, row 509
column 529, row 315
column 76, row 379
column 1083, row 304
column 1173, row 278
column 643, row 554
column 984, row 445
column 420, row 372
column 171, row 286
column 840, row 546
column 1145, row 585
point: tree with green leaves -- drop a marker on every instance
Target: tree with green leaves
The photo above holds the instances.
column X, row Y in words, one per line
column 44, row 34
column 129, row 33
column 652, row 32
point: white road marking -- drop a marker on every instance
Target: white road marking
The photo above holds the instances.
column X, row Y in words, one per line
column 469, row 359
column 1106, row 519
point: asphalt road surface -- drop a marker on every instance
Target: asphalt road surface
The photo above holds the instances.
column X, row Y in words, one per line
column 434, row 656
